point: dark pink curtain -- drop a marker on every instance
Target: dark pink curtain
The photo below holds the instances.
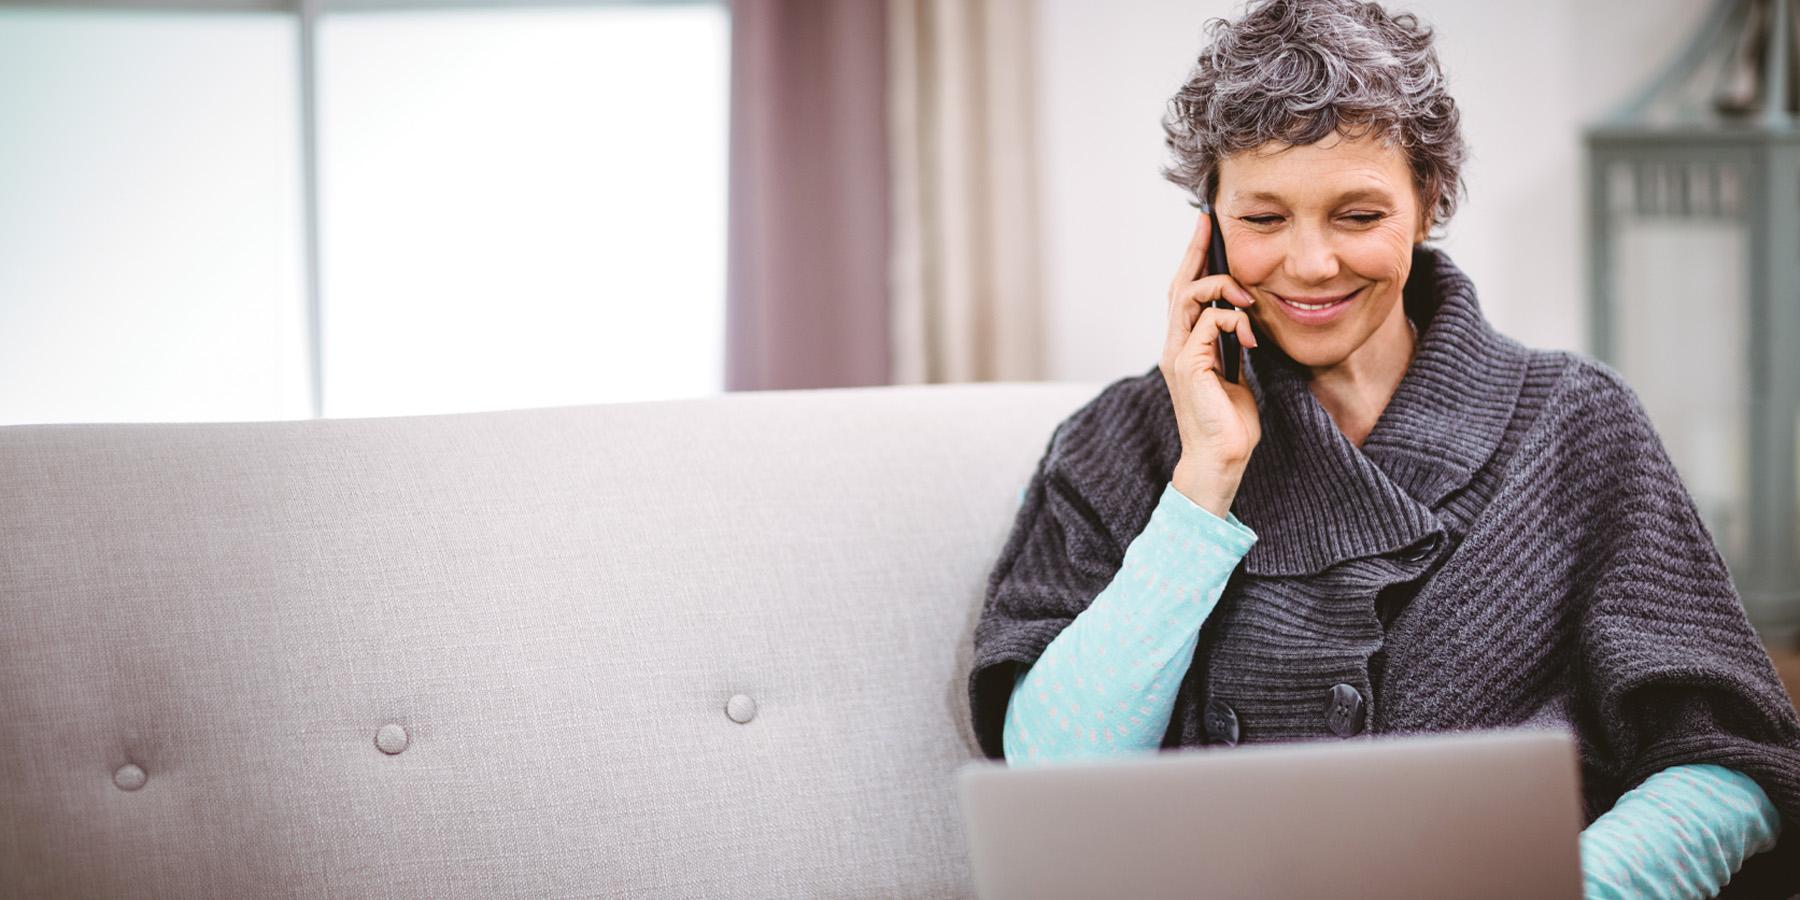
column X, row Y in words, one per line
column 806, row 273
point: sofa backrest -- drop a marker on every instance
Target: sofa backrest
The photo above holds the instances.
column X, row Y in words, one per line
column 711, row 647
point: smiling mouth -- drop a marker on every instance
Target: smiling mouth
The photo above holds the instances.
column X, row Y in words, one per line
column 1327, row 304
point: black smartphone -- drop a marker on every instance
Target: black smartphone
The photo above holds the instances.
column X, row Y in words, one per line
column 1228, row 342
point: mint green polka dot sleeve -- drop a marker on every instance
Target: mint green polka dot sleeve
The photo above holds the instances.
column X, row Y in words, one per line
column 1682, row 833
column 1106, row 684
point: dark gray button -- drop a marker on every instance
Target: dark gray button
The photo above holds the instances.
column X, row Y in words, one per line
column 1221, row 723
column 1344, row 713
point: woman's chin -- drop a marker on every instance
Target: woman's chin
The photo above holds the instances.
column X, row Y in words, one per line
column 1313, row 351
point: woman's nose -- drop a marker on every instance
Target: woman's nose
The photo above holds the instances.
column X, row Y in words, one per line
column 1311, row 259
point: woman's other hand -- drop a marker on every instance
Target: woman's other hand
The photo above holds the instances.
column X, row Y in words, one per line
column 1218, row 421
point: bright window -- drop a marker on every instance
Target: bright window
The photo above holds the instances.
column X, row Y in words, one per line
column 150, row 249
column 522, row 207
column 519, row 206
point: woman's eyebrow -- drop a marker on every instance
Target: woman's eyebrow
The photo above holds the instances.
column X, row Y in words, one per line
column 1351, row 196
column 1379, row 196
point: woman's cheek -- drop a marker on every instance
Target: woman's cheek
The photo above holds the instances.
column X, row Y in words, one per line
column 1382, row 253
column 1251, row 264
column 1395, row 237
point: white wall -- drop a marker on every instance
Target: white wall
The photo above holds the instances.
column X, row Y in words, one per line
column 1527, row 75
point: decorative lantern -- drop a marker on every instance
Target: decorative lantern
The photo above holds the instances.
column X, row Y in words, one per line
column 1694, row 195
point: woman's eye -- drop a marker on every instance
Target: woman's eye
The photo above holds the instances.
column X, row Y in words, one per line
column 1365, row 218
column 1262, row 220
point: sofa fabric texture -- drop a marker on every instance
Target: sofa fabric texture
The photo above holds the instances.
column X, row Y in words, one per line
column 699, row 648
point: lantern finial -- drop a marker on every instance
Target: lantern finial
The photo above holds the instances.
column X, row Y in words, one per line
column 1741, row 69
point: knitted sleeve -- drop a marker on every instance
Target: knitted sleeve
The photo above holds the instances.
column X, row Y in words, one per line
column 1095, row 488
column 1672, row 672
column 1106, row 684
column 1678, row 836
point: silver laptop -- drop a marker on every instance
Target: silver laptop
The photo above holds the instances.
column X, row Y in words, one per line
column 1471, row 814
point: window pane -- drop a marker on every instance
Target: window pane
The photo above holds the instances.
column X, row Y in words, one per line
column 522, row 207
column 150, row 255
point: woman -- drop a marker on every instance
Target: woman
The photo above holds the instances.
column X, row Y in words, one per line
column 1402, row 520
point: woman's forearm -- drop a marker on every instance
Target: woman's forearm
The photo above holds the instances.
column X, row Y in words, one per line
column 1680, row 834
column 1106, row 685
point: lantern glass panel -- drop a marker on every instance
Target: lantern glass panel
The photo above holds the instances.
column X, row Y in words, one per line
column 1680, row 322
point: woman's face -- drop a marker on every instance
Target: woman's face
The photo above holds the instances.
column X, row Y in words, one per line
column 1313, row 224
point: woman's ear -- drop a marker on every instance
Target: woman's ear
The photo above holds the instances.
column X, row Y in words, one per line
column 1426, row 205
column 1426, row 218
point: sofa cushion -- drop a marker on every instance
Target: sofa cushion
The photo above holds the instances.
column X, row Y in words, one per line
column 711, row 647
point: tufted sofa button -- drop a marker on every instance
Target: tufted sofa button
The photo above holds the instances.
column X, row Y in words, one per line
column 392, row 738
column 740, row 708
column 129, row 777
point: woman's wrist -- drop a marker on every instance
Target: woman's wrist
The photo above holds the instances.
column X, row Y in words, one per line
column 1210, row 488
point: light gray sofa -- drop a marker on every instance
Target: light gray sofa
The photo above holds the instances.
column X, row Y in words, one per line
column 691, row 648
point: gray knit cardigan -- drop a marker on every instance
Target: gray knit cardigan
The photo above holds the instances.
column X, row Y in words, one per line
column 1511, row 545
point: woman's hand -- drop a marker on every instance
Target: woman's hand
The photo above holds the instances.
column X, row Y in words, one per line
column 1218, row 420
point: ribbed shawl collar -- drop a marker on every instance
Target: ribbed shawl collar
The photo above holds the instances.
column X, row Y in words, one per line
column 1315, row 500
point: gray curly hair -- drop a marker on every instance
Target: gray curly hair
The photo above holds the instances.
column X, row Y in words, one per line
column 1295, row 71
